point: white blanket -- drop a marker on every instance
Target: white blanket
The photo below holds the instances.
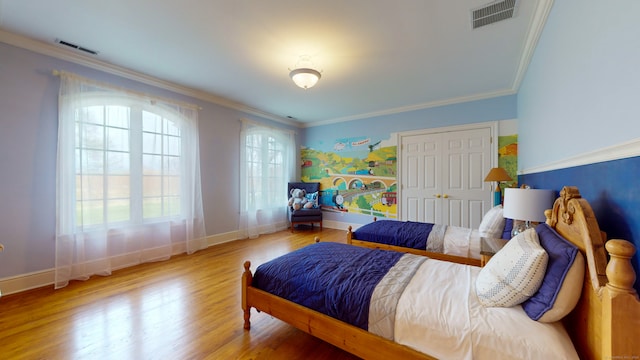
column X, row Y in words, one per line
column 439, row 314
column 462, row 242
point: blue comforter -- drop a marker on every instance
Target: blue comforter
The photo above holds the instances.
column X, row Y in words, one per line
column 332, row 278
column 407, row 234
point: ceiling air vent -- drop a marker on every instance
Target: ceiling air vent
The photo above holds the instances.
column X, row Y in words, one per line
column 77, row 47
column 493, row 12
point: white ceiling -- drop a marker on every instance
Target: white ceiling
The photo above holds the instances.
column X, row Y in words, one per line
column 376, row 56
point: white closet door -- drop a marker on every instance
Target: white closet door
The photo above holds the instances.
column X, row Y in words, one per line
column 421, row 158
column 443, row 177
column 466, row 161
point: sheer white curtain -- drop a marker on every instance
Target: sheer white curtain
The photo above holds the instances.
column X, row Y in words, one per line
column 267, row 164
column 128, row 179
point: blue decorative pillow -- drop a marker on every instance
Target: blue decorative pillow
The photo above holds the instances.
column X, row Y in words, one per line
column 313, row 198
column 508, row 227
column 562, row 283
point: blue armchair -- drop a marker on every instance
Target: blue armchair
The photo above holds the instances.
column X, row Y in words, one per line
column 304, row 216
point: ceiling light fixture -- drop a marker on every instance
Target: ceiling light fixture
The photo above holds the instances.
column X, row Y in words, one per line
column 304, row 75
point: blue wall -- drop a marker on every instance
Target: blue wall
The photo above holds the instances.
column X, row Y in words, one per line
column 609, row 188
column 580, row 92
column 493, row 109
column 580, row 96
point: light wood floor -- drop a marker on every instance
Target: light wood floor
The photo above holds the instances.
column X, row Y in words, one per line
column 185, row 308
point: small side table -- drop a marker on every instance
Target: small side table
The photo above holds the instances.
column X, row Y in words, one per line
column 489, row 247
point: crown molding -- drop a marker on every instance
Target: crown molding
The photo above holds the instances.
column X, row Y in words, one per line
column 533, row 35
column 398, row 110
column 535, row 31
column 537, row 25
column 54, row 51
column 616, row 152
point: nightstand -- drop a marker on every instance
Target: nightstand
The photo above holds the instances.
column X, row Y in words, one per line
column 489, row 247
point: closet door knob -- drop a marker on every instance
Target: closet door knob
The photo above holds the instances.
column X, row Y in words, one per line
column 445, row 196
column 437, row 195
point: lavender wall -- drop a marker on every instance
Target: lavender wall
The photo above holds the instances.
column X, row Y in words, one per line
column 28, row 140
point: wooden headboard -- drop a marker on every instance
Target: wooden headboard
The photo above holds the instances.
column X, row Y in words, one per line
column 606, row 322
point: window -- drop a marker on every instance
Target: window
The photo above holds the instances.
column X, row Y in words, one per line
column 265, row 169
column 160, row 166
column 267, row 166
column 128, row 179
column 118, row 180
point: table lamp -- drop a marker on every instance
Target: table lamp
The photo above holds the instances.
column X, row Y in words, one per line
column 497, row 174
column 526, row 205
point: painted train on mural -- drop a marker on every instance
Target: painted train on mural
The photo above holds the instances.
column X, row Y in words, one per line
column 357, row 176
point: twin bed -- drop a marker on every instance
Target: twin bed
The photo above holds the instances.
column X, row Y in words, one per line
column 380, row 304
column 449, row 243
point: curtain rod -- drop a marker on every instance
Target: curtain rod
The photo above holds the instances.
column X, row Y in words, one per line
column 59, row 73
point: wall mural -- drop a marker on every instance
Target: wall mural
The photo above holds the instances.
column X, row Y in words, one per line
column 508, row 158
column 358, row 175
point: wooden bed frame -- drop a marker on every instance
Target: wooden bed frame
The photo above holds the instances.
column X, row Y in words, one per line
column 434, row 255
column 604, row 325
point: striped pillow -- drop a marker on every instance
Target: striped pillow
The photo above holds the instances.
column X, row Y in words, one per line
column 514, row 273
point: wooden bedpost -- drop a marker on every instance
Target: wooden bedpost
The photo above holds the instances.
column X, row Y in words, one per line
column 349, row 235
column 247, row 279
column 620, row 304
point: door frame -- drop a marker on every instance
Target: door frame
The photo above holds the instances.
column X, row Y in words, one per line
column 492, row 125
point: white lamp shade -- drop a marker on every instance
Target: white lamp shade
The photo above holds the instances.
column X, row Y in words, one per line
column 304, row 77
column 527, row 204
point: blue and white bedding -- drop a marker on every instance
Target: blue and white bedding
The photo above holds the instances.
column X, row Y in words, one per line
column 451, row 240
column 426, row 304
column 335, row 279
column 409, row 234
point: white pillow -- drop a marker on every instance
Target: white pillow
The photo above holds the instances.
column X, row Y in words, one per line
column 492, row 224
column 514, row 273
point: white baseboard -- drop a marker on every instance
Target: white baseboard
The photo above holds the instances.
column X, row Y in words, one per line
column 224, row 237
column 339, row 225
column 24, row 282
column 38, row 279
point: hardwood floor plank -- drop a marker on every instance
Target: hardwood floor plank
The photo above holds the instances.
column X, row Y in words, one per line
column 187, row 307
